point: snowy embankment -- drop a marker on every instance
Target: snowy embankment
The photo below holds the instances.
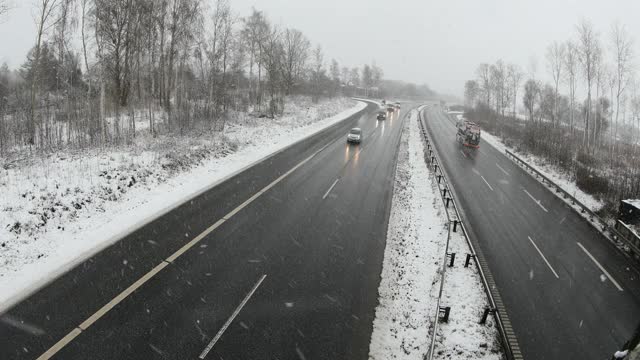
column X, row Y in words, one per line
column 411, row 272
column 554, row 173
column 59, row 210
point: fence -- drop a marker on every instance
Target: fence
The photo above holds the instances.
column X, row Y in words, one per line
column 609, row 231
column 509, row 342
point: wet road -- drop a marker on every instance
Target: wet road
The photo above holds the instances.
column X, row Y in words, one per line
column 281, row 261
column 568, row 292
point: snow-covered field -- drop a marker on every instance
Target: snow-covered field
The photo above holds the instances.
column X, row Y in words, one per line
column 57, row 211
column 554, row 173
column 411, row 272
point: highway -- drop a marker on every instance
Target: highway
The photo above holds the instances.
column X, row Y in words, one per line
column 282, row 261
column 568, row 292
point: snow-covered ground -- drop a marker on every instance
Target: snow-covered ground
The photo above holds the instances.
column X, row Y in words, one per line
column 554, row 173
column 57, row 211
column 463, row 337
column 411, row 272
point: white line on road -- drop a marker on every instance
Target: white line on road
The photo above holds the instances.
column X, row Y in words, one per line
column 503, row 170
column 116, row 300
column 230, row 319
column 600, row 266
column 543, row 258
column 463, row 154
column 330, row 188
column 485, row 181
column 535, row 200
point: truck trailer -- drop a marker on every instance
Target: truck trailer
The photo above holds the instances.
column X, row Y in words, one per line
column 468, row 133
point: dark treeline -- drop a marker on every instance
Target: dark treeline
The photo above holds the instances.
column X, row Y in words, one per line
column 596, row 140
column 181, row 65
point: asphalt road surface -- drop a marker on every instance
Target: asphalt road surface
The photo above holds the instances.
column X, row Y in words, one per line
column 568, row 292
column 282, row 261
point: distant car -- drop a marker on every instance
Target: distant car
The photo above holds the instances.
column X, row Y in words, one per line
column 382, row 115
column 354, row 136
column 397, row 105
column 391, row 108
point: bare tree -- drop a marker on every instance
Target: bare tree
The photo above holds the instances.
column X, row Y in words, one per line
column 622, row 45
column 530, row 97
column 514, row 76
column 471, row 92
column 354, row 77
column 483, row 74
column 589, row 54
column 295, row 54
column 334, row 71
column 317, row 71
column 45, row 20
column 498, row 81
column 571, row 77
column 555, row 59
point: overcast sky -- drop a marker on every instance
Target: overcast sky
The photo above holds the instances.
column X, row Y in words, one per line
column 423, row 41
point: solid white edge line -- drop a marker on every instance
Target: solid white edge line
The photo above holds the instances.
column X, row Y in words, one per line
column 123, row 295
column 543, row 257
column 485, row 181
column 64, row 268
column 503, row 170
column 600, row 266
column 330, row 188
column 535, row 200
column 230, row 319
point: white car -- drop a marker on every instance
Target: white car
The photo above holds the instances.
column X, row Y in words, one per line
column 355, row 135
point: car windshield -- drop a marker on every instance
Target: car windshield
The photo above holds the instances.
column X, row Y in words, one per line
column 175, row 182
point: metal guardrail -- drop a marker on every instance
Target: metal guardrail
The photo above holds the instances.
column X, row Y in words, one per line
column 512, row 349
column 594, row 219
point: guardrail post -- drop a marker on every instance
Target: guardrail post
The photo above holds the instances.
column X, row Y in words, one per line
column 455, row 225
column 439, row 178
column 486, row 313
column 446, row 310
column 468, row 261
column 447, row 200
column 444, row 192
column 433, row 159
column 452, row 256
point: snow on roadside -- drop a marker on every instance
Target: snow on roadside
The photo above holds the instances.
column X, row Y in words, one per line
column 411, row 273
column 82, row 204
column 416, row 237
column 552, row 172
column 463, row 337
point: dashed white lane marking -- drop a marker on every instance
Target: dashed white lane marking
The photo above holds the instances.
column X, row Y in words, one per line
column 463, row 154
column 123, row 295
column 600, row 266
column 503, row 170
column 535, row 200
column 230, row 319
column 330, row 188
column 543, row 257
column 485, row 181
